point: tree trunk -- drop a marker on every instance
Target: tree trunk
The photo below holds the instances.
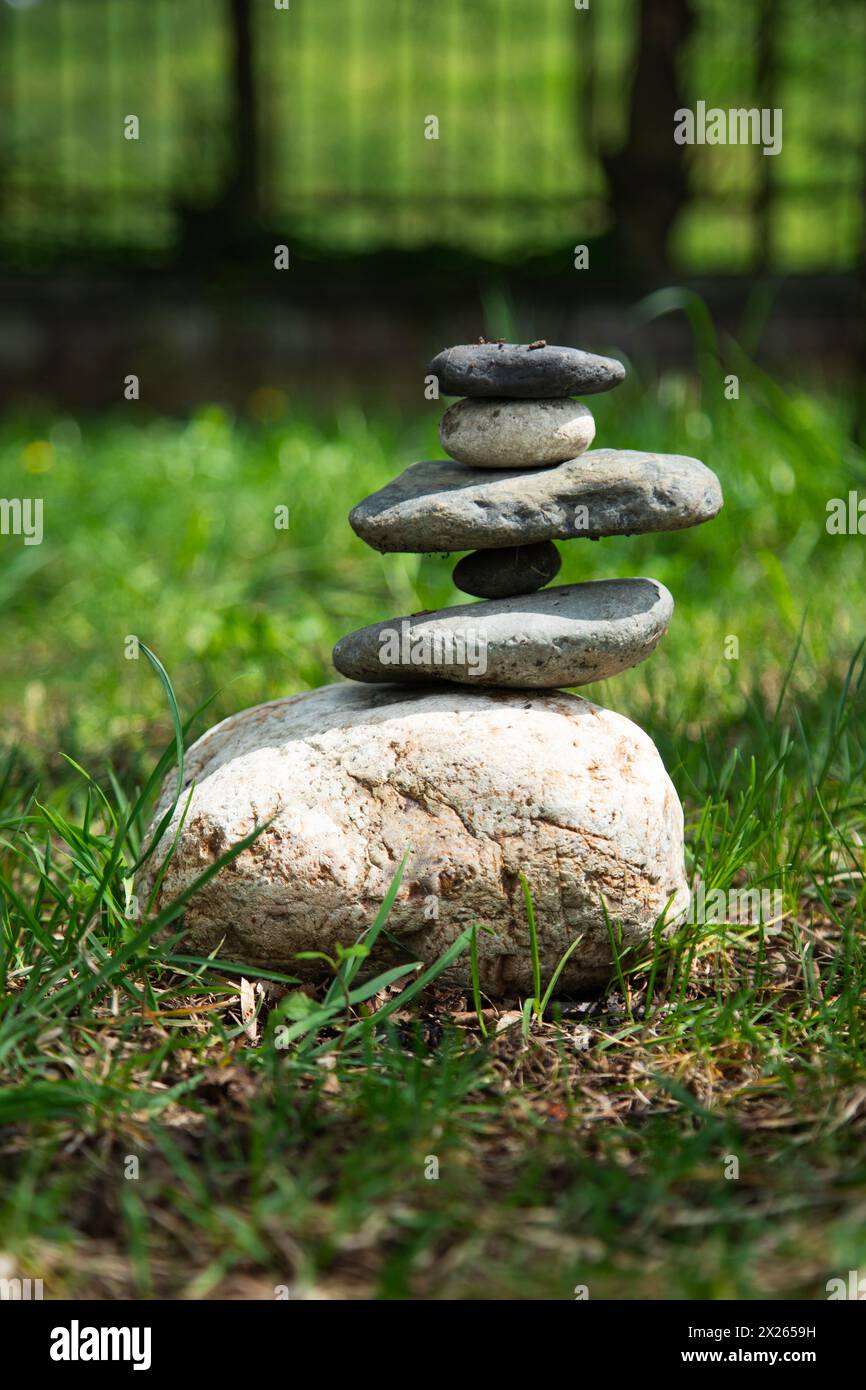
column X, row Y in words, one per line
column 647, row 178
column 242, row 184
column 230, row 219
column 768, row 30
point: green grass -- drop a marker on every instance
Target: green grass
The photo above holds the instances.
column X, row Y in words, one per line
column 585, row 1147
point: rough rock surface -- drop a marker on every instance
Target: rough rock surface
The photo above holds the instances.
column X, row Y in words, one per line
column 518, row 569
column 478, row 785
column 439, row 505
column 569, row 635
column 515, row 434
column 516, row 369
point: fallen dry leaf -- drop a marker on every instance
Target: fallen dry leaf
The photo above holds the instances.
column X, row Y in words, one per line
column 248, row 1011
column 507, row 1020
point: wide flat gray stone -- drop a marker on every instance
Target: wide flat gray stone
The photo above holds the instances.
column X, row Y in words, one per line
column 518, row 569
column 516, row 369
column 444, row 506
column 566, row 636
column 516, row 434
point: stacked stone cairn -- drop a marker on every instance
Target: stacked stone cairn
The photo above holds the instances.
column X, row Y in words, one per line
column 520, row 477
column 425, row 749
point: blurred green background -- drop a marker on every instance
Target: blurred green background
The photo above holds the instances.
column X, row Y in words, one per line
column 554, row 123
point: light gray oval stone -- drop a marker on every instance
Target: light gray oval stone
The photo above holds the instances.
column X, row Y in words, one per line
column 442, row 506
column 480, row 786
column 566, row 636
column 515, row 434
column 516, row 369
column 518, row 569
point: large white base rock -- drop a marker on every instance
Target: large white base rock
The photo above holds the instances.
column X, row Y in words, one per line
column 478, row 785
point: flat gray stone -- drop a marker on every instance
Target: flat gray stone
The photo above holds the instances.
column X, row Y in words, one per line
column 516, row 434
column 518, row 569
column 516, row 369
column 567, row 636
column 444, row 506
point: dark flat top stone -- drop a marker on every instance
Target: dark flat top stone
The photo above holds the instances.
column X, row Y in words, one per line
column 445, row 506
column 518, row 370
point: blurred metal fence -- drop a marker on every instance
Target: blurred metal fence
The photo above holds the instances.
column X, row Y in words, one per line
column 499, row 127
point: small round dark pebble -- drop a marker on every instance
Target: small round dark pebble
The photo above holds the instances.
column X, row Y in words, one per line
column 517, row 569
